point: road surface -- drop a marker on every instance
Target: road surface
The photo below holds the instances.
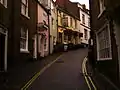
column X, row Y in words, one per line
column 64, row 74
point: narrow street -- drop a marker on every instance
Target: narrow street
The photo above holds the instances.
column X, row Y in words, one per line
column 64, row 74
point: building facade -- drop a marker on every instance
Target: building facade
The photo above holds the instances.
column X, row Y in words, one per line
column 43, row 32
column 18, row 26
column 105, row 34
column 84, row 23
column 68, row 22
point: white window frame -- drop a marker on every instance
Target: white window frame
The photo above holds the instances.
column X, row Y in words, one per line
column 4, row 2
column 110, row 53
column 25, row 11
column 85, row 34
column 88, row 21
column 83, row 18
column 102, row 7
column 26, row 49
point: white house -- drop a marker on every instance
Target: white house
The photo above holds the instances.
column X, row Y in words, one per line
column 84, row 23
column 53, row 26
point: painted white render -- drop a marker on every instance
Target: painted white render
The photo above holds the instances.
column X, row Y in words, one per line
column 84, row 26
column 53, row 27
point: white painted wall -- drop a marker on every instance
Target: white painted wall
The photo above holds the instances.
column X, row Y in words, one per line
column 86, row 26
column 53, row 28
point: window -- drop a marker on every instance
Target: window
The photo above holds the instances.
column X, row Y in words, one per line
column 52, row 7
column 65, row 21
column 52, row 21
column 75, row 23
column 88, row 22
column 102, row 7
column 104, row 45
column 71, row 21
column 24, row 40
column 83, row 18
column 4, row 2
column 24, row 7
column 85, row 34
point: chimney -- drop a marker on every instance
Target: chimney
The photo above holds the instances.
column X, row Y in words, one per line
column 84, row 6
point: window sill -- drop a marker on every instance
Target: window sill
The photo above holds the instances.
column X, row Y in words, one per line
column 4, row 5
column 25, row 16
column 104, row 59
column 24, row 51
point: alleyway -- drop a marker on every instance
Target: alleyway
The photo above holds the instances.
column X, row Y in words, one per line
column 64, row 74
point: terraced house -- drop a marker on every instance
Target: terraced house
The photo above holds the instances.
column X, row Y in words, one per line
column 105, row 23
column 17, row 26
column 43, row 29
column 68, row 22
column 84, row 23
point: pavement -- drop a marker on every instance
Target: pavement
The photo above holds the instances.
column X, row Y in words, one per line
column 65, row 73
column 59, row 71
column 18, row 76
column 101, row 82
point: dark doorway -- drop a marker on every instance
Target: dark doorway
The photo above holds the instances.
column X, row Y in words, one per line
column 2, row 52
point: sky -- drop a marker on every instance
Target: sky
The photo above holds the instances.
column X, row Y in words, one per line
column 86, row 2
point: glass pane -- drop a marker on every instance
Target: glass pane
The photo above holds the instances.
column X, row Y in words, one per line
column 23, row 44
column 104, row 45
column 23, row 33
column 23, row 9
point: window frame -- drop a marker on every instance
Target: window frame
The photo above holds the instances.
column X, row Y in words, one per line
column 102, row 7
column 71, row 21
column 85, row 34
column 4, row 3
column 98, row 47
column 83, row 18
column 25, row 11
column 25, row 49
column 88, row 21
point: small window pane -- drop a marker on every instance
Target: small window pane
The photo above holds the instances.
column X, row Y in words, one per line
column 104, row 43
column 23, row 39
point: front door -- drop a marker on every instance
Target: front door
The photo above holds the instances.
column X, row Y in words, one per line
column 2, row 52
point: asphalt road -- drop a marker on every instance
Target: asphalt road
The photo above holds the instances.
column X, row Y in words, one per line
column 64, row 74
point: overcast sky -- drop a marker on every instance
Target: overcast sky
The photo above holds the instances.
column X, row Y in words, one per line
column 82, row 2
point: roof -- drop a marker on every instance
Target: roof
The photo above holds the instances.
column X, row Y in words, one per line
column 69, row 7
